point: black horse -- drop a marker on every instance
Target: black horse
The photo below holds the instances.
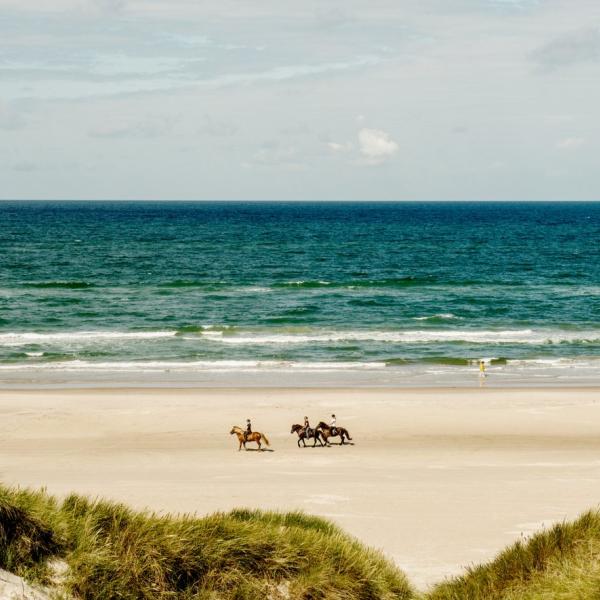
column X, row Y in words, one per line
column 305, row 434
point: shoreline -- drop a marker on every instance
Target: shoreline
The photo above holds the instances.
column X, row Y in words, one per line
column 585, row 374
column 459, row 473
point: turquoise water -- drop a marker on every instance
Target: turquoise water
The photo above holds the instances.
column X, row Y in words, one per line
column 395, row 290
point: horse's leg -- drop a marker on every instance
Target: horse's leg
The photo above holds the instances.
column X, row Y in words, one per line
column 258, row 442
column 240, row 445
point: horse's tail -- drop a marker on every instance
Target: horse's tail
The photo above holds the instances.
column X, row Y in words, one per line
column 264, row 437
column 348, row 435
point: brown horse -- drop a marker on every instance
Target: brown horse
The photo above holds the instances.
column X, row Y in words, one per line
column 327, row 433
column 303, row 435
column 255, row 436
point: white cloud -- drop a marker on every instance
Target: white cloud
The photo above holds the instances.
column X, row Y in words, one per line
column 571, row 143
column 376, row 146
column 340, row 148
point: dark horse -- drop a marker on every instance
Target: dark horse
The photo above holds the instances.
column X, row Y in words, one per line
column 328, row 432
column 303, row 435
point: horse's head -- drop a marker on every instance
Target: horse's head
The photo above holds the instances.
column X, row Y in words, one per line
column 295, row 428
column 234, row 429
column 322, row 425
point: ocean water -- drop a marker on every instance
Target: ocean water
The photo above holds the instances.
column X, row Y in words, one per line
column 299, row 293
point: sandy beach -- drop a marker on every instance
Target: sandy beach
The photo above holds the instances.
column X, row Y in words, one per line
column 437, row 478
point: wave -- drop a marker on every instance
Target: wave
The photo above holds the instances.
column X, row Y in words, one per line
column 394, row 282
column 437, row 318
column 450, row 361
column 23, row 338
column 61, row 285
column 307, row 335
column 212, row 286
column 193, row 283
column 425, row 365
column 519, row 336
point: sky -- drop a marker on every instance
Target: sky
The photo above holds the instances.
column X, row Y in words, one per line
column 281, row 100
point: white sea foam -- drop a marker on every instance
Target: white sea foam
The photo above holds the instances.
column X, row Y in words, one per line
column 438, row 316
column 520, row 336
column 316, row 336
column 19, row 339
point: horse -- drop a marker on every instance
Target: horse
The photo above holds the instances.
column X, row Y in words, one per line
column 255, row 436
column 327, row 433
column 304, row 434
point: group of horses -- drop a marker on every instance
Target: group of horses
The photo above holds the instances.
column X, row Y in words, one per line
column 321, row 434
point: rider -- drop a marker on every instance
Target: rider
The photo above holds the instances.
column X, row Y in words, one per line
column 306, row 427
column 333, row 425
column 248, row 430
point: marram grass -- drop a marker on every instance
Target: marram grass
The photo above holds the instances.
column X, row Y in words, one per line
column 112, row 552
column 561, row 563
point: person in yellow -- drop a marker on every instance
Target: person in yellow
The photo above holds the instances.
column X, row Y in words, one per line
column 481, row 368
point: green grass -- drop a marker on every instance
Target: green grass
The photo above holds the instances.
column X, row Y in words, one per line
column 114, row 552
column 562, row 563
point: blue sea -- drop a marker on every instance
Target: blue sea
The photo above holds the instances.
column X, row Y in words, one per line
column 241, row 293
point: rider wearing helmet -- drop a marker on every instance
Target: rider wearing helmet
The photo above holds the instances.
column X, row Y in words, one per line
column 248, row 430
column 333, row 425
column 306, row 427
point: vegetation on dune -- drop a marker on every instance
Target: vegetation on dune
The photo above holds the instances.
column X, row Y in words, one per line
column 111, row 551
column 114, row 552
column 561, row 563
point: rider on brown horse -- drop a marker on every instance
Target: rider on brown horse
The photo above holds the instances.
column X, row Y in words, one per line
column 248, row 430
column 333, row 425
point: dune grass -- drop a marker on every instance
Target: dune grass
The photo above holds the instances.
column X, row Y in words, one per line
column 561, row 563
column 114, row 552
column 111, row 551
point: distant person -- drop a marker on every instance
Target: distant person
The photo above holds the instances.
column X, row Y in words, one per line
column 482, row 368
column 248, row 430
column 333, row 425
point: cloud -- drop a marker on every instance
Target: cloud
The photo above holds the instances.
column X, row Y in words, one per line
column 376, row 146
column 571, row 143
column 127, row 82
column 581, row 46
column 338, row 148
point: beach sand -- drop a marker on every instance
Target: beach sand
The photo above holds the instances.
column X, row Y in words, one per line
column 438, row 478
